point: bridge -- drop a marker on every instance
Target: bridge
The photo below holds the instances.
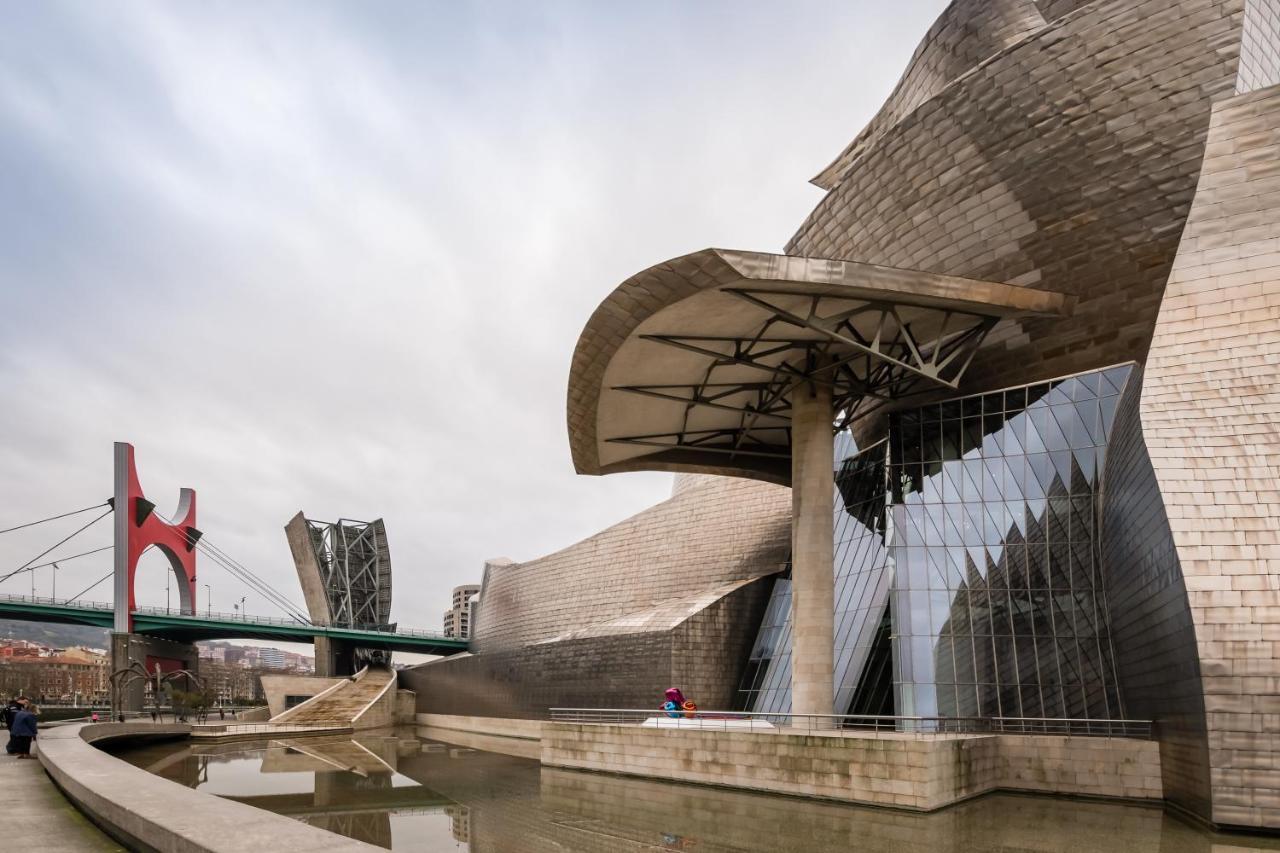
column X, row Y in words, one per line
column 344, row 570
column 189, row 628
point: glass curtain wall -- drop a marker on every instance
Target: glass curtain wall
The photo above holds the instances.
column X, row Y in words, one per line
column 998, row 604
column 974, row 529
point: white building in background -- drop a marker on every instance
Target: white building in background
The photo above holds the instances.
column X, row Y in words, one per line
column 459, row 618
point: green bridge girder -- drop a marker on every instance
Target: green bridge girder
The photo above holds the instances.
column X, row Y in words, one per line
column 190, row 628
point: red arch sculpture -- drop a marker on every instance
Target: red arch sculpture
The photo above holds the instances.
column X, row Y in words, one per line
column 137, row 526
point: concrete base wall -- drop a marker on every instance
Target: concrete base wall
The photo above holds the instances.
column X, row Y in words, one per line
column 405, row 702
column 147, row 812
column 278, row 687
column 521, row 738
column 902, row 771
column 497, row 726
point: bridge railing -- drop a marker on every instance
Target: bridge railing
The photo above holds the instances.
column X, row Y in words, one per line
column 214, row 615
column 55, row 602
column 855, row 723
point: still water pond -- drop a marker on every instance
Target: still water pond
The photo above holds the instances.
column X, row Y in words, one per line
column 408, row 793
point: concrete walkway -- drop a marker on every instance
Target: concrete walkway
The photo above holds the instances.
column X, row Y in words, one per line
column 38, row 817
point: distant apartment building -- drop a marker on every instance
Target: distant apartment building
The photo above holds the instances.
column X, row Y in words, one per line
column 459, row 618
column 73, row 675
column 230, row 684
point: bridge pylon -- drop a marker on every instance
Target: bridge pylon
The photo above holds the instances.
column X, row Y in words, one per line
column 137, row 527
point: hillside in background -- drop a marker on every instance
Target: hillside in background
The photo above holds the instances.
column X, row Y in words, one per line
column 57, row 636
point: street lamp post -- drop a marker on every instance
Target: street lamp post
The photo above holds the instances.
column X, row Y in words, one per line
column 54, row 591
column 208, row 600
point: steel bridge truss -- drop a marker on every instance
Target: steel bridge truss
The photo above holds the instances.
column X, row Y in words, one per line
column 872, row 353
column 355, row 566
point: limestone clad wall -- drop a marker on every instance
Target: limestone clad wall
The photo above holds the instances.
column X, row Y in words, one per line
column 277, row 687
column 1211, row 418
column 903, row 771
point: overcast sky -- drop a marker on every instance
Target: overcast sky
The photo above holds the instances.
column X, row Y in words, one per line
column 335, row 257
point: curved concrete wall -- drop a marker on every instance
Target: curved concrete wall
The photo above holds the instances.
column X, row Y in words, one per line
column 146, row 812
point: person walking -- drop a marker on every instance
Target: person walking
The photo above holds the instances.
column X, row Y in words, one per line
column 24, row 729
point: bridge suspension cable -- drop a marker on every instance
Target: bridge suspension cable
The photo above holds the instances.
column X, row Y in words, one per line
column 27, row 565
column 65, row 559
column 55, row 517
column 239, row 570
column 91, row 586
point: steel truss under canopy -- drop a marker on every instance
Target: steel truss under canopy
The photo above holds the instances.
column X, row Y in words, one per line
column 355, row 566
column 864, row 349
column 697, row 358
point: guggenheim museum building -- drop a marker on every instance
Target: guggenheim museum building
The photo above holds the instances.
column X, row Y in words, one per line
column 997, row 434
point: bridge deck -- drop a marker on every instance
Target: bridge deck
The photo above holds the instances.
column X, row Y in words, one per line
column 222, row 626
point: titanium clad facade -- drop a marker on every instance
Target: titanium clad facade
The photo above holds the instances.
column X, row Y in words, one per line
column 672, row 595
column 1210, row 414
column 1151, row 627
column 1065, row 161
column 1082, row 523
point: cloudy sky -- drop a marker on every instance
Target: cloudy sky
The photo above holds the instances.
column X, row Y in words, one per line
column 335, row 257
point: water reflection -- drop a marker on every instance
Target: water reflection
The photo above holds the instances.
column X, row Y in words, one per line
column 408, row 793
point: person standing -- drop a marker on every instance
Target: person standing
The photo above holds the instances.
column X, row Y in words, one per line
column 10, row 711
column 23, row 731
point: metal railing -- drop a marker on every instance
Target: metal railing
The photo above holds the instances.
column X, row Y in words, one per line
column 213, row 615
column 58, row 602
column 854, row 723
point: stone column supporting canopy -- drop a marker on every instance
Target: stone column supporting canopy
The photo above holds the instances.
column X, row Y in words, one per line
column 812, row 573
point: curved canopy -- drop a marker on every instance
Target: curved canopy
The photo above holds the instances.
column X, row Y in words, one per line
column 690, row 365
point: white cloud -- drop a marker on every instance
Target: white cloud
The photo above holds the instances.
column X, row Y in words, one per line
column 336, row 257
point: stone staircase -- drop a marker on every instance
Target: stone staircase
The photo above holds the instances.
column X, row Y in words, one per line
column 340, row 705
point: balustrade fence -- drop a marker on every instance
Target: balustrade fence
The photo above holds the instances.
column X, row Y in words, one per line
column 855, row 723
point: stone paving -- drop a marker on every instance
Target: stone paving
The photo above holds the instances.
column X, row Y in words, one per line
column 40, row 817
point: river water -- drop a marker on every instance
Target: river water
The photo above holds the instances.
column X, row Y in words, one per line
column 405, row 792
